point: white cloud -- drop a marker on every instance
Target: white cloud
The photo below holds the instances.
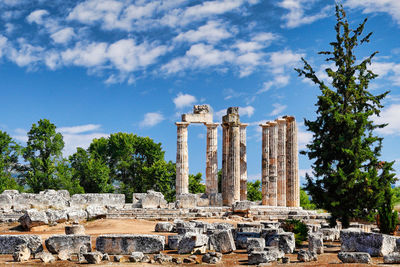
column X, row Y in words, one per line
column 246, row 111
column 282, row 60
column 25, row 55
column 278, row 81
column 392, row 7
column 79, row 129
column 63, row 36
column 73, row 141
column 391, row 116
column 37, row 16
column 278, row 109
column 303, row 137
column 296, row 16
column 87, row 55
column 3, row 44
column 211, row 32
column 151, row 119
column 218, row 114
column 184, row 100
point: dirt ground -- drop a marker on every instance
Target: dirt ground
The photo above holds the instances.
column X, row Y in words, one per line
column 120, row 226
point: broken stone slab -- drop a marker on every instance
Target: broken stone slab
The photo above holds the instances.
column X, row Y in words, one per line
column 125, row 244
column 56, row 216
column 186, row 230
column 242, row 206
column 65, row 254
column 162, row 258
column 164, row 227
column 354, row 240
column 32, row 218
column 330, row 234
column 190, row 241
column 354, row 257
column 201, row 114
column 306, row 256
column 71, row 243
column 75, row 229
column 241, row 238
column 259, row 257
column 212, row 257
column 93, row 257
column 186, row 201
column 153, row 200
column 392, row 258
column 136, row 257
column 97, row 199
column 8, row 243
column 173, row 241
column 315, row 242
column 96, row 212
column 248, row 225
column 222, row 241
column 76, row 214
column 22, row 253
column 255, row 243
column 45, row 257
column 284, row 241
column 270, row 224
column 202, row 225
column 6, row 201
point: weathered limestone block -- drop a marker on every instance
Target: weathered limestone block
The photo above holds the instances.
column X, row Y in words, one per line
column 186, row 201
column 255, row 243
column 56, row 216
column 315, row 242
column 93, row 257
column 284, row 241
column 330, row 234
column 222, row 241
column 6, row 201
column 8, row 243
column 173, row 241
column 96, row 211
column 125, row 244
column 65, row 254
column 201, row 114
column 241, row 238
column 164, row 227
column 22, row 253
column 186, row 230
column 306, row 256
column 153, row 199
column 212, row 257
column 190, row 241
column 71, row 243
column 223, row 226
column 392, row 258
column 136, row 257
column 75, row 229
column 354, row 240
column 162, row 258
column 270, row 224
column 46, row 257
column 354, row 257
column 202, row 200
column 82, row 200
column 242, row 206
column 76, row 214
column 259, row 257
column 32, row 218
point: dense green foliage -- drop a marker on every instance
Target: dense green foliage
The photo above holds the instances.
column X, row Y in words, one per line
column 344, row 149
column 254, row 191
column 8, row 162
column 195, row 185
column 305, row 202
column 298, row 228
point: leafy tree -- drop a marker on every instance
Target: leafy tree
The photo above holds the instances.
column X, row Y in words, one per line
column 254, row 191
column 93, row 174
column 163, row 175
column 344, row 149
column 65, row 179
column 9, row 151
column 396, row 195
column 195, row 185
column 305, row 202
column 43, row 150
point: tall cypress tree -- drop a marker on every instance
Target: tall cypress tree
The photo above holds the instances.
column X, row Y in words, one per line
column 344, row 149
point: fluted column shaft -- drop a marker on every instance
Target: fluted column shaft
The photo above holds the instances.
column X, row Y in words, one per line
column 273, row 170
column 281, row 190
column 233, row 194
column 292, row 165
column 264, row 164
column 212, row 159
column 243, row 162
column 182, row 159
column 225, row 149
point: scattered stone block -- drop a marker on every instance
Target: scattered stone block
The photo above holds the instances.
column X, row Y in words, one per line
column 93, row 257
column 354, row 257
column 285, row 260
column 56, row 216
column 190, row 241
column 330, row 234
column 306, row 256
column 191, row 260
column 212, row 257
column 32, row 218
column 242, row 206
column 258, row 257
column 46, row 257
column 285, row 241
column 75, row 229
column 392, row 258
column 222, row 241
column 106, row 257
column 173, row 241
column 76, row 214
column 186, row 201
column 164, row 227
column 354, row 240
column 153, row 200
column 71, row 243
column 8, row 243
column 96, row 212
column 177, row 260
column 125, row 244
column 315, row 242
column 162, row 258
column 241, row 238
column 255, row 243
column 22, row 253
column 64, row 255
column 136, row 256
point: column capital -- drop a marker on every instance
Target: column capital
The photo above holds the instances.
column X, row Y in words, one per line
column 289, row 118
column 182, row 124
column 281, row 121
column 244, row 125
column 272, row 123
column 211, row 125
column 264, row 125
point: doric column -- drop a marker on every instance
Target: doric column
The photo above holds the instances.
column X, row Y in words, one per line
column 212, row 159
column 243, row 162
column 292, row 165
column 273, row 170
column 264, row 164
column 234, row 165
column 281, row 162
column 225, row 149
column 182, row 159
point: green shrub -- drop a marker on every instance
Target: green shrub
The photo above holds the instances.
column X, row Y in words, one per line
column 298, row 228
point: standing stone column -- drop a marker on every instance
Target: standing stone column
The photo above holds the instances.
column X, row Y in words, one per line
column 273, row 170
column 281, row 162
column 243, row 162
column 264, row 164
column 292, row 165
column 212, row 159
column 182, row 159
column 225, row 149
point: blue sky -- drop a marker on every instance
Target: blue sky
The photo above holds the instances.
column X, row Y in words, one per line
column 95, row 67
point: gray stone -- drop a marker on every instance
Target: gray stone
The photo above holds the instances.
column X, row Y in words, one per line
column 392, row 258
column 285, row 241
column 75, row 229
column 177, row 260
column 32, row 218
column 153, row 200
column 71, row 243
column 330, row 234
column 212, row 257
column 164, row 227
column 186, row 201
column 241, row 238
column 315, row 242
column 93, row 257
column 270, row 224
column 190, row 241
column 354, row 240
column 125, row 244
column 173, row 241
column 186, row 230
column 306, row 256
column 255, row 243
column 8, row 243
column 136, row 257
column 76, row 214
column 162, row 258
column 45, row 257
column 96, row 211
column 83, row 249
column 242, row 206
column 6, row 201
column 106, row 199
column 64, row 254
column 222, row 241
column 22, row 253
column 146, row 259
column 257, row 257
column 56, row 216
column 285, row 260
column 191, row 259
column 354, row 257
column 223, row 226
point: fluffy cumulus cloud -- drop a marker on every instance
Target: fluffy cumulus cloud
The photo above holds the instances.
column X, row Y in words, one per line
column 278, row 109
column 392, row 7
column 389, row 115
column 246, row 111
column 151, row 119
column 184, row 100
